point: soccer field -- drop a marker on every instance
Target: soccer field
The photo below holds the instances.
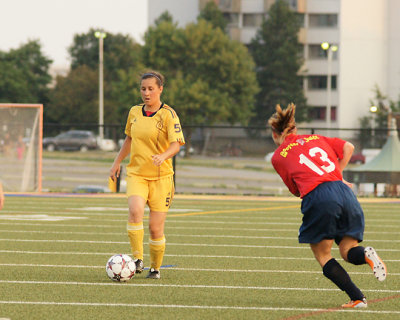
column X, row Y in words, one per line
column 226, row 258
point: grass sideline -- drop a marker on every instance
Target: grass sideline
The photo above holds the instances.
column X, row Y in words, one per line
column 227, row 258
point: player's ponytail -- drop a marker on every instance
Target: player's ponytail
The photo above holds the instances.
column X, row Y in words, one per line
column 283, row 122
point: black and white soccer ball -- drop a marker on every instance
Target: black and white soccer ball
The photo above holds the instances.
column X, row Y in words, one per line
column 120, row 267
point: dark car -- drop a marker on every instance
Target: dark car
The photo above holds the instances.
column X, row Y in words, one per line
column 71, row 140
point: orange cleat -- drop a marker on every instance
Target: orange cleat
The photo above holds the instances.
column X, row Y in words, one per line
column 356, row 304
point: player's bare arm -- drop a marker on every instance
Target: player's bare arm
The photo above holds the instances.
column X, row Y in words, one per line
column 348, row 149
column 172, row 150
column 122, row 154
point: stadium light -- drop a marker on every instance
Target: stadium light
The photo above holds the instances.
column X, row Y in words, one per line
column 373, row 109
column 101, row 35
column 330, row 49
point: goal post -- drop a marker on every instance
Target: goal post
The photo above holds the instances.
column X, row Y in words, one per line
column 21, row 134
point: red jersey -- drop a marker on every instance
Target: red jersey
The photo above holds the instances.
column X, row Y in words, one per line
column 306, row 161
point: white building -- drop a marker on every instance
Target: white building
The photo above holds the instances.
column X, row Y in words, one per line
column 366, row 33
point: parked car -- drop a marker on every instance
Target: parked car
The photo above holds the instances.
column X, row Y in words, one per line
column 71, row 140
column 358, row 158
column 268, row 156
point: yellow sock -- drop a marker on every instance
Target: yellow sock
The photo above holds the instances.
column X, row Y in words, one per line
column 136, row 233
column 157, row 249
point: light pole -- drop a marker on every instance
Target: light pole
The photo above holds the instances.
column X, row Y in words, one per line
column 373, row 110
column 330, row 49
column 101, row 35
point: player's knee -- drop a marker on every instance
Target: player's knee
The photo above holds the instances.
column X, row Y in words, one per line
column 135, row 214
column 343, row 253
column 156, row 231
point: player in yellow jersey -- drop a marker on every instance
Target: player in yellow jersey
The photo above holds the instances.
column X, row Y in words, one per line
column 153, row 136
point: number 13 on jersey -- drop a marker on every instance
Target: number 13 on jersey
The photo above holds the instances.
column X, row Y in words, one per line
column 323, row 156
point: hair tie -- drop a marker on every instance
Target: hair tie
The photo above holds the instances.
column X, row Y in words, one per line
column 152, row 75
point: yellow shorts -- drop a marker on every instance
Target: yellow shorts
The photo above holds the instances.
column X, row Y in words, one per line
column 157, row 193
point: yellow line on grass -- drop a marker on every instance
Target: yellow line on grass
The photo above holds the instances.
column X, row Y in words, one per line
column 232, row 211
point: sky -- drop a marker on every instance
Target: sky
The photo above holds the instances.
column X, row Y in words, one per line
column 55, row 22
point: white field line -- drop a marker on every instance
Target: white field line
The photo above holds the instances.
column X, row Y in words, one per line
column 191, row 286
column 123, row 205
column 174, row 235
column 122, row 226
column 253, row 215
column 172, row 244
column 230, row 218
column 180, row 269
column 166, row 255
column 297, row 224
column 100, row 208
column 176, row 306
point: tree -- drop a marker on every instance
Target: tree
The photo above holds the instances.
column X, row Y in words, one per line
column 278, row 57
column 120, row 52
column 122, row 56
column 213, row 14
column 24, row 75
column 164, row 17
column 210, row 78
column 125, row 92
column 74, row 99
column 374, row 133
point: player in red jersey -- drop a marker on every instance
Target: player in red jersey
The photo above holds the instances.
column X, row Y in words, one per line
column 311, row 166
column 1, row 197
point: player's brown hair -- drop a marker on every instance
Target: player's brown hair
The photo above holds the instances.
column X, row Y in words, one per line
column 282, row 121
column 153, row 74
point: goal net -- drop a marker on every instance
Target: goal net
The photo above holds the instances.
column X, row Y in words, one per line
column 21, row 147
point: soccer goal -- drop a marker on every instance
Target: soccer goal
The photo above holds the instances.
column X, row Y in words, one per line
column 21, row 127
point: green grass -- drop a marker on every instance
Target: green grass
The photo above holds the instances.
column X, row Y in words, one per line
column 231, row 259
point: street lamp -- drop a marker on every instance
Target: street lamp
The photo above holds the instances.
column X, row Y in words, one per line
column 373, row 110
column 330, row 49
column 101, row 35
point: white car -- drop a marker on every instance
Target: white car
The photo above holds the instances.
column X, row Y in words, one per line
column 268, row 156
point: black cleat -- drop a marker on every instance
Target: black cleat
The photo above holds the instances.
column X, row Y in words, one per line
column 139, row 265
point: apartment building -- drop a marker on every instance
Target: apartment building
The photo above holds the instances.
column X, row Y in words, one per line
column 365, row 33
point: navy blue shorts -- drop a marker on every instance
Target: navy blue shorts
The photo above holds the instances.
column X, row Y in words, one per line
column 331, row 211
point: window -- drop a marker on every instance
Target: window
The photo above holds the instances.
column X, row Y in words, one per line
column 300, row 18
column 319, row 113
column 292, row 4
column 323, row 20
column 320, row 82
column 316, row 52
column 252, row 19
column 225, row 4
column 232, row 18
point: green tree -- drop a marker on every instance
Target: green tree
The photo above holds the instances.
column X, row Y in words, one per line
column 74, row 99
column 125, row 90
column 213, row 14
column 210, row 78
column 122, row 55
column 278, row 57
column 164, row 17
column 120, row 52
column 374, row 126
column 24, row 76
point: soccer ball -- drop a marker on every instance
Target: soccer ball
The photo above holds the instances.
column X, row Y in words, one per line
column 120, row 267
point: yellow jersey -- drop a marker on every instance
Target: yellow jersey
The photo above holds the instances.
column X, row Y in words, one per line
column 151, row 135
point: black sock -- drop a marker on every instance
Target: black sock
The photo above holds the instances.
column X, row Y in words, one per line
column 334, row 272
column 356, row 255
